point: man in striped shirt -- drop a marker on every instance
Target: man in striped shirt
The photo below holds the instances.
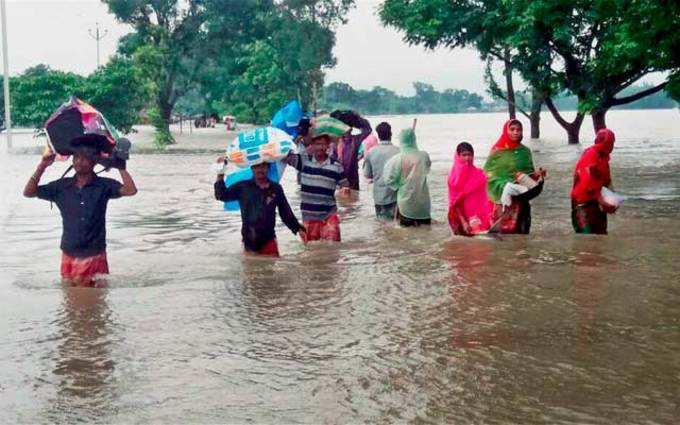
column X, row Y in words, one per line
column 320, row 175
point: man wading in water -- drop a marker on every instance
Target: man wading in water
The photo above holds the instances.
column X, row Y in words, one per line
column 258, row 198
column 82, row 201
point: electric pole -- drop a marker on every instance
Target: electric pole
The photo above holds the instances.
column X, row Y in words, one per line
column 97, row 35
column 5, row 66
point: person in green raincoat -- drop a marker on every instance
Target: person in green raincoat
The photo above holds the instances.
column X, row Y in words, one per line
column 512, row 181
column 406, row 173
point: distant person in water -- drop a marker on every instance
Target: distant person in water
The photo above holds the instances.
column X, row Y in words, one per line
column 367, row 145
column 82, row 202
column 320, row 176
column 346, row 151
column 259, row 198
column 512, row 181
column 384, row 197
column 469, row 206
column 406, row 173
column 588, row 209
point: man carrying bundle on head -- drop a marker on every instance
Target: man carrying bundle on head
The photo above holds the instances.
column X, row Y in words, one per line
column 82, row 202
column 349, row 145
column 320, row 176
column 258, row 198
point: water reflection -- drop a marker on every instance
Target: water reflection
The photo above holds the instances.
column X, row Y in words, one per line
column 589, row 287
column 84, row 365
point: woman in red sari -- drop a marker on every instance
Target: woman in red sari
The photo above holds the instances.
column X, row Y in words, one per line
column 469, row 205
column 588, row 212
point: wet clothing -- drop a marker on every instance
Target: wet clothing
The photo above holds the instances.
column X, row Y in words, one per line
column 347, row 152
column 413, row 222
column 83, row 212
column 592, row 169
column 469, row 206
column 386, row 212
column 270, row 249
column 318, row 182
column 84, row 271
column 326, row 230
column 591, row 174
column 505, row 160
column 407, row 173
column 588, row 218
column 374, row 166
column 258, row 210
column 514, row 219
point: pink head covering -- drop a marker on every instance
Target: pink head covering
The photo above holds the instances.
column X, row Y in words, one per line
column 467, row 193
column 369, row 143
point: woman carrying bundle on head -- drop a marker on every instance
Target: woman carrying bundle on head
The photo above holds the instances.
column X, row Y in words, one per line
column 589, row 208
column 512, row 181
column 469, row 206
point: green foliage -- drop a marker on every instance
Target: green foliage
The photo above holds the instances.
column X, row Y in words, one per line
column 118, row 91
column 267, row 54
column 37, row 92
column 115, row 90
column 380, row 100
column 162, row 136
column 594, row 49
column 166, row 49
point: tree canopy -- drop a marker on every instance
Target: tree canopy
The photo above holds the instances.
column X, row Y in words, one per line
column 594, row 49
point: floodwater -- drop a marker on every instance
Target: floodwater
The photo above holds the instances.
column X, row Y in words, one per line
column 390, row 326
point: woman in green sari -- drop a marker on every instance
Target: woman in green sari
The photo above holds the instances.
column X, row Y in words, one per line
column 512, row 181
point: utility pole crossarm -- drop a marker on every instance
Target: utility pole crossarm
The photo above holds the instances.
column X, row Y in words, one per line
column 97, row 35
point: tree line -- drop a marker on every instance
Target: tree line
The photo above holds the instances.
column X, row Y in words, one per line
column 427, row 100
column 595, row 50
column 248, row 57
column 245, row 57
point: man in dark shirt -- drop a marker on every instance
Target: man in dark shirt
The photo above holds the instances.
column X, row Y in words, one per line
column 258, row 198
column 82, row 202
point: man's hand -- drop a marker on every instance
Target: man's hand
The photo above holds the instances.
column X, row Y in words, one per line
column 31, row 188
column 219, row 166
column 47, row 160
column 302, row 232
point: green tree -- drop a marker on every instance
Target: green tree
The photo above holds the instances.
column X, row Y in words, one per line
column 276, row 53
column 38, row 91
column 166, row 46
column 118, row 91
column 457, row 23
column 596, row 49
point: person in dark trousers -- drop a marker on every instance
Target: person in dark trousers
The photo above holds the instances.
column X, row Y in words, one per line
column 384, row 197
column 82, row 201
column 259, row 198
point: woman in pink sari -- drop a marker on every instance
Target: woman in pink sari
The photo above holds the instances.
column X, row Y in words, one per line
column 469, row 206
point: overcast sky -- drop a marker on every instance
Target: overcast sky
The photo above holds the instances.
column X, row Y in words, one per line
column 55, row 32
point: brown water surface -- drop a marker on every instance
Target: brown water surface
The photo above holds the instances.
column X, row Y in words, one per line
column 392, row 325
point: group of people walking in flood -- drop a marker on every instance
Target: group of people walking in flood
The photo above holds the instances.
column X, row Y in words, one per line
column 492, row 199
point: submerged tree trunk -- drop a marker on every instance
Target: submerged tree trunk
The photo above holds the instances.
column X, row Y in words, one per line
column 573, row 128
column 508, row 82
column 535, row 114
column 599, row 121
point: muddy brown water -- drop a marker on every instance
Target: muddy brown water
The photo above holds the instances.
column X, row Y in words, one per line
column 390, row 326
